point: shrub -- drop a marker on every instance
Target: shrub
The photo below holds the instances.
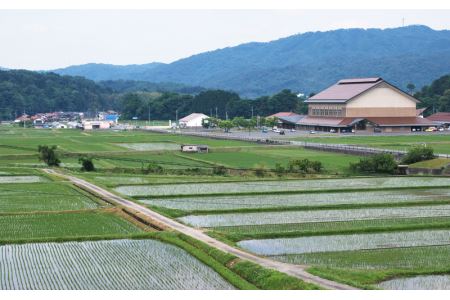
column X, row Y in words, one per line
column 219, row 170
column 154, row 168
column 86, row 164
column 304, row 166
column 48, row 155
column 418, row 153
column 378, row 163
column 279, row 169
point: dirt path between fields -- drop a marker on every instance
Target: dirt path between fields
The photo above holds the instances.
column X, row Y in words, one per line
column 293, row 270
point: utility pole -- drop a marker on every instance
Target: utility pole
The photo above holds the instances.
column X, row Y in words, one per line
column 216, row 112
column 252, row 112
column 176, row 117
column 226, row 115
column 149, row 114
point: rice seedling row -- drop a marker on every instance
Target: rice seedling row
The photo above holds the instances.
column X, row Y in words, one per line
column 156, row 146
column 429, row 282
column 46, row 196
column 21, row 179
column 320, row 228
column 333, row 243
column 325, row 215
column 116, row 264
column 425, row 259
column 63, row 225
column 297, row 200
column 281, row 186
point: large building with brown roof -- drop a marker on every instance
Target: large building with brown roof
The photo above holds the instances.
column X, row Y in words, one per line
column 370, row 104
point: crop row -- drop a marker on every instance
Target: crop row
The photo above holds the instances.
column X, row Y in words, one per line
column 427, row 258
column 332, row 243
column 429, row 282
column 296, row 200
column 116, row 264
column 46, row 196
column 63, row 225
column 21, row 179
column 328, row 215
column 289, row 185
column 150, row 146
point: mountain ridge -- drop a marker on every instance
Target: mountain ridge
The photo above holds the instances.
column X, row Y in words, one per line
column 306, row 62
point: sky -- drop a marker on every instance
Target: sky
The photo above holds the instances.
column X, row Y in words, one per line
column 50, row 39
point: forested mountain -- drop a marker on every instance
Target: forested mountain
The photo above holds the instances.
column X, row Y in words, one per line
column 305, row 62
column 123, row 86
column 32, row 92
column 106, row 71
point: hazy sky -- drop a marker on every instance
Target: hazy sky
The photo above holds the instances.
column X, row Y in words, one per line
column 47, row 39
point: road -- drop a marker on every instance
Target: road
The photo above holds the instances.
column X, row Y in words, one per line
column 293, row 270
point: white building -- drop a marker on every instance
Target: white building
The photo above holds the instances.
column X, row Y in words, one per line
column 90, row 125
column 192, row 120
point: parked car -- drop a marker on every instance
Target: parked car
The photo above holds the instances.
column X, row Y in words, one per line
column 264, row 130
column 282, row 132
column 312, row 132
column 292, row 130
column 431, row 129
column 276, row 130
column 441, row 129
column 332, row 130
column 377, row 129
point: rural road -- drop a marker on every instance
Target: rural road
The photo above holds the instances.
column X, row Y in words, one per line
column 293, row 270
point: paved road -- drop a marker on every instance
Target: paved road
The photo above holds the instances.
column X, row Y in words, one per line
column 293, row 270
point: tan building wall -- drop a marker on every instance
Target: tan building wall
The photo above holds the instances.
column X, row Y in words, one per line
column 381, row 101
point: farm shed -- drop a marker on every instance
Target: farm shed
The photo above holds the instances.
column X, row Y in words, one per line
column 194, row 148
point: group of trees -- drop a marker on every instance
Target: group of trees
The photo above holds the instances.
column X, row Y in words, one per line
column 215, row 103
column 435, row 96
column 386, row 163
column 33, row 92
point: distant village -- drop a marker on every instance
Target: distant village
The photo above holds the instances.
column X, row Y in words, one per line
column 371, row 105
column 73, row 120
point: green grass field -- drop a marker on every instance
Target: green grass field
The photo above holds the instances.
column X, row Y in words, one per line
column 439, row 142
column 270, row 156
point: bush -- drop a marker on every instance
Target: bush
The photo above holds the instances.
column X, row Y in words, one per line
column 279, row 169
column 304, row 166
column 378, row 163
column 418, row 153
column 260, row 170
column 48, row 155
column 154, row 168
column 219, row 170
column 86, row 164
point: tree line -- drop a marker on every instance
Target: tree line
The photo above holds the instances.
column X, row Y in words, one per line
column 214, row 103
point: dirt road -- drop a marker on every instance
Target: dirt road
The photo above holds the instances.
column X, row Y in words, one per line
column 293, row 270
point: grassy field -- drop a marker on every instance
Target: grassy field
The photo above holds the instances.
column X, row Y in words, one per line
column 269, row 157
column 436, row 163
column 439, row 142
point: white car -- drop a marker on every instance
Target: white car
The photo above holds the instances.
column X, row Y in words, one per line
column 276, row 130
column 332, row 130
column 312, row 132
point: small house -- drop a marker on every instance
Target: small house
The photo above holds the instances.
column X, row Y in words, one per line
column 194, row 148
